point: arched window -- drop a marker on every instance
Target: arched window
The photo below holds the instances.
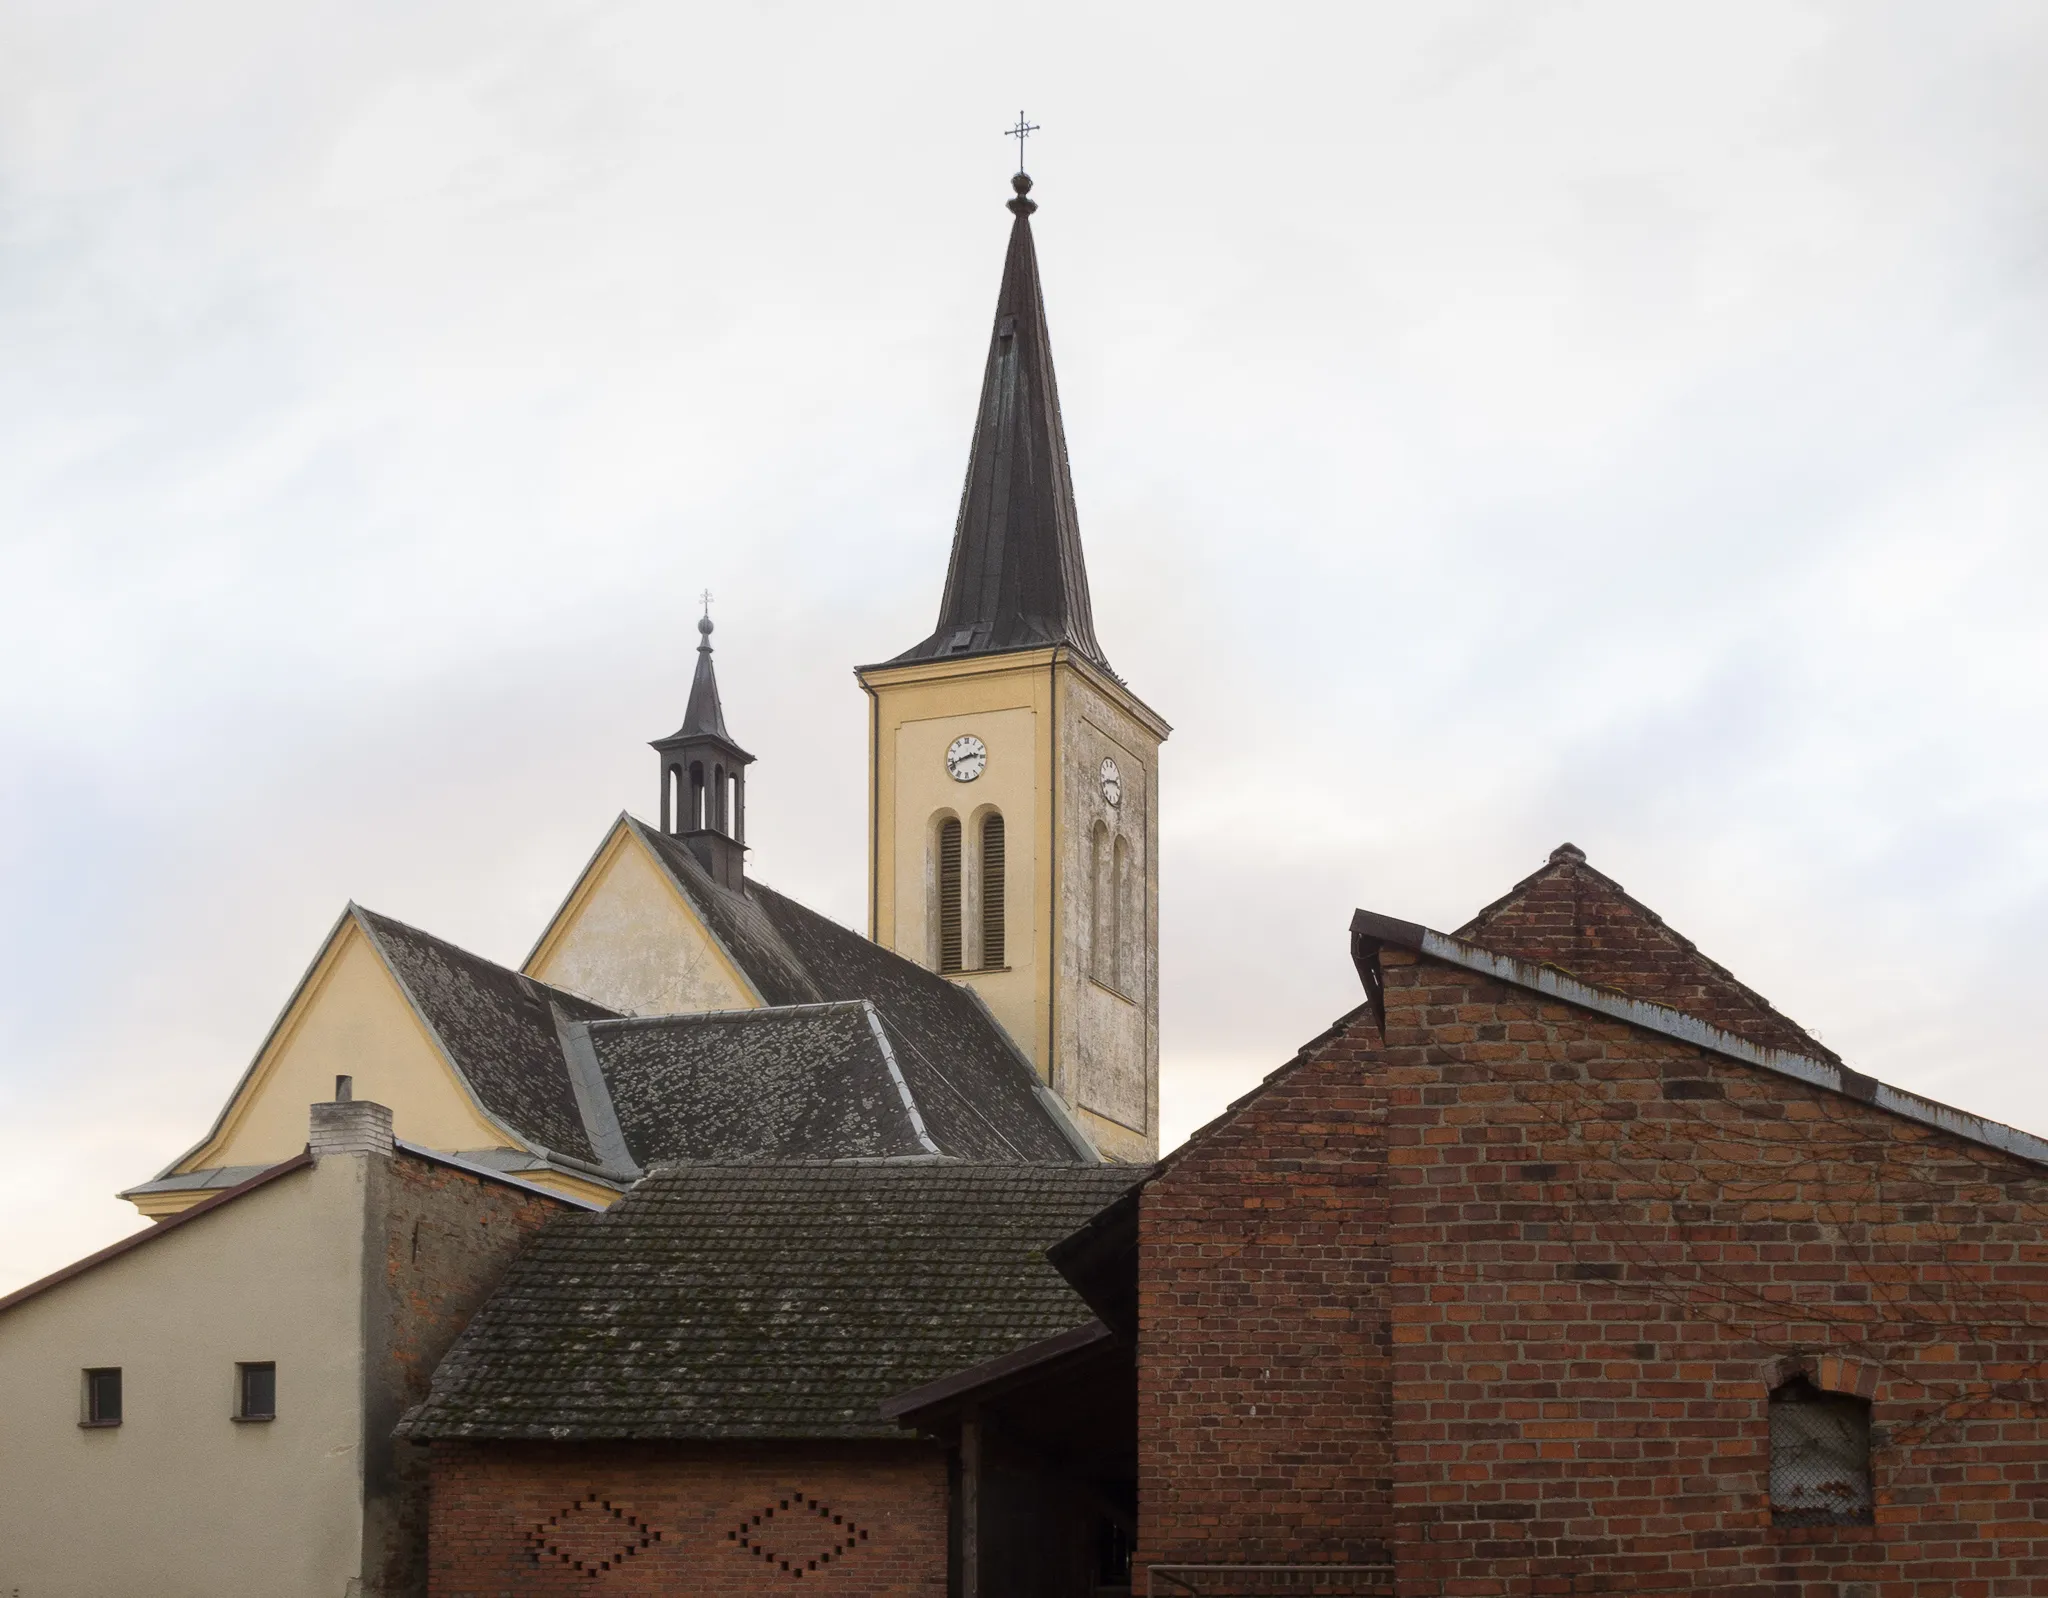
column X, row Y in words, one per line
column 696, row 821
column 1820, row 1457
column 949, row 894
column 717, row 818
column 1101, row 913
column 1123, row 977
column 992, row 892
column 672, row 799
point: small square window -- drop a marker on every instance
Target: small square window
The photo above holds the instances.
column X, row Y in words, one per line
column 1820, row 1457
column 103, row 1396
column 256, row 1391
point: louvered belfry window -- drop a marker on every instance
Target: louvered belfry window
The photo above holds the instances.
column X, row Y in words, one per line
column 992, row 892
column 949, row 895
column 1820, row 1457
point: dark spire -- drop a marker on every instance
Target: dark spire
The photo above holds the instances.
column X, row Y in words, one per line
column 705, row 717
column 704, row 777
column 1016, row 579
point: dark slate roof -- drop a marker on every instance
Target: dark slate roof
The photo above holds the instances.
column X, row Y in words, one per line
column 497, row 1029
column 759, row 1301
column 817, row 1080
column 979, row 1097
column 1585, row 924
column 1016, row 579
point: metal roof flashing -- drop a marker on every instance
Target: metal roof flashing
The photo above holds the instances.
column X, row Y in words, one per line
column 1370, row 932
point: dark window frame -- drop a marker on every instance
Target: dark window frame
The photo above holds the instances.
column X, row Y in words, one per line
column 263, row 1373
column 97, row 1412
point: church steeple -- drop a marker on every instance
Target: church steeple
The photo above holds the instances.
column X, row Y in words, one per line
column 1016, row 579
column 704, row 777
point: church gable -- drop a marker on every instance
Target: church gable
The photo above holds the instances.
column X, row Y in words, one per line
column 1572, row 917
column 350, row 1017
column 628, row 938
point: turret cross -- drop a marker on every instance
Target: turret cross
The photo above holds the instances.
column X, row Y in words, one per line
column 1020, row 132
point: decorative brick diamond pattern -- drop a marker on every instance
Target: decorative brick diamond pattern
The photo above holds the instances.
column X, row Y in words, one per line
column 592, row 1535
column 798, row 1534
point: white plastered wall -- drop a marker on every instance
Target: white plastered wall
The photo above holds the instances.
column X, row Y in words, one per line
column 180, row 1501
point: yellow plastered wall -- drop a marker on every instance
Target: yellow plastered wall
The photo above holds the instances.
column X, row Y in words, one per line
column 353, row 1019
column 179, row 1499
column 919, row 711
column 627, row 939
column 1047, row 721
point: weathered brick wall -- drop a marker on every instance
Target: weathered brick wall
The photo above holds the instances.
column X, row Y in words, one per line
column 441, row 1241
column 707, row 1520
column 1573, row 917
column 1264, row 1377
column 1602, row 1250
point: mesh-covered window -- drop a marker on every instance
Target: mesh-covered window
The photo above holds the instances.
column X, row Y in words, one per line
column 992, row 892
column 949, row 895
column 1820, row 1457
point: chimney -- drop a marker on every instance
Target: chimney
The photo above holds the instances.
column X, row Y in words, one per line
column 349, row 1126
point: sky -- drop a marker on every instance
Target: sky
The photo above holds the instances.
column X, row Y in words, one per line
column 1492, row 425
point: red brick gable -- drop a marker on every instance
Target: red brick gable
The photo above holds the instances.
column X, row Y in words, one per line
column 1572, row 917
column 1499, row 1291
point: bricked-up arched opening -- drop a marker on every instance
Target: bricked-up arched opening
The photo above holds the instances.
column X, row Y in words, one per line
column 1820, row 1457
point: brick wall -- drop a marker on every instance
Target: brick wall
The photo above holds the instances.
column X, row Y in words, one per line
column 441, row 1240
column 707, row 1520
column 1600, row 1250
column 1264, row 1378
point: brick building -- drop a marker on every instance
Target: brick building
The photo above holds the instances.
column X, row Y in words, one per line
column 1567, row 1265
column 684, row 1394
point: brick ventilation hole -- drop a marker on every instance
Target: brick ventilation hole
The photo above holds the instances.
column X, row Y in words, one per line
column 592, row 1535
column 797, row 1511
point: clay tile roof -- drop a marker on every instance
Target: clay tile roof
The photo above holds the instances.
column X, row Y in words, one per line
column 979, row 1098
column 765, row 1300
column 818, row 1080
column 1572, row 917
column 497, row 1028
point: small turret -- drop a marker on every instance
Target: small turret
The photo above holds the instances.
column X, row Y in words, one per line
column 704, row 778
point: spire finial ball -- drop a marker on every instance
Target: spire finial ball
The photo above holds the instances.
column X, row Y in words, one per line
column 1021, row 206
column 704, row 625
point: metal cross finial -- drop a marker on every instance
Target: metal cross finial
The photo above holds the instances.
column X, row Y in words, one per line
column 1020, row 133
column 706, row 597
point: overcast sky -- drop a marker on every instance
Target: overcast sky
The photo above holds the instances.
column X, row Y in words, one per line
column 1493, row 424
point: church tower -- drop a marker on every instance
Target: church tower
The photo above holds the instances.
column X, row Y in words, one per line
column 1014, row 789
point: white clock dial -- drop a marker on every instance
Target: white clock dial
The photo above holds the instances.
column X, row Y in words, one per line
column 1112, row 782
column 966, row 758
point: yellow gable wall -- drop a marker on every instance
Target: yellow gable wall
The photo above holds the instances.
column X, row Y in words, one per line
column 352, row 1020
column 629, row 940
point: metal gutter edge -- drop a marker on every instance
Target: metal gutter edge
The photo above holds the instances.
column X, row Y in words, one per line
column 1675, row 1024
column 593, row 1094
column 896, row 1075
column 505, row 1178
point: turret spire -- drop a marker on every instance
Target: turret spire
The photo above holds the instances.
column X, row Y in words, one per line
column 1016, row 579
column 704, row 775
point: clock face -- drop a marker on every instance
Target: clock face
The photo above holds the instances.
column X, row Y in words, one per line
column 966, row 758
column 1112, row 782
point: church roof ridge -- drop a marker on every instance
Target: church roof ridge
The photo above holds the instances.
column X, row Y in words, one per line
column 1016, row 577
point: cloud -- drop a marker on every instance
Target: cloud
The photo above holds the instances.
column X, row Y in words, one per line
column 1493, row 424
